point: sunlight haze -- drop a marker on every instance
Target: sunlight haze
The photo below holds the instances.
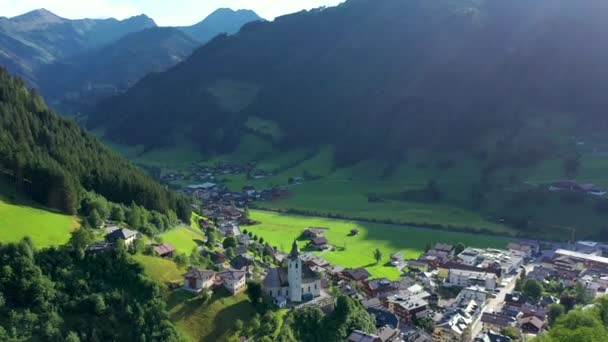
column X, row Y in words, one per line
column 164, row 12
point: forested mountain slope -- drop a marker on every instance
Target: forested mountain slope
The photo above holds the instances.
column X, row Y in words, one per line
column 374, row 77
column 53, row 159
column 83, row 78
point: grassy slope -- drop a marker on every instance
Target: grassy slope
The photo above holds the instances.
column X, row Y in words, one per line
column 20, row 217
column 183, row 239
column 280, row 230
column 209, row 321
column 159, row 269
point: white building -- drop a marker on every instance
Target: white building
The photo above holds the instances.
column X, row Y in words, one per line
column 476, row 293
column 468, row 277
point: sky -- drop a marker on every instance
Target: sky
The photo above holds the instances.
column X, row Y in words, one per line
column 164, row 12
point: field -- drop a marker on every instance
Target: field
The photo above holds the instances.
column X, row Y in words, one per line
column 159, row 269
column 345, row 191
column 280, row 230
column 20, row 218
column 183, row 239
column 209, row 321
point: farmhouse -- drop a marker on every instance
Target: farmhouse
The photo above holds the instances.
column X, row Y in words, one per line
column 357, row 274
column 319, row 243
column 164, row 250
column 314, row 232
column 196, row 280
column 298, row 282
column 232, row 280
column 127, row 235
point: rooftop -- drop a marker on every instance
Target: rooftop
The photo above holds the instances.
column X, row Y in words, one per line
column 582, row 256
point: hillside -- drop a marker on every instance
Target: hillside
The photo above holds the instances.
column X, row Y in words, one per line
column 222, row 20
column 82, row 79
column 41, row 37
column 53, row 160
column 20, row 217
column 375, row 78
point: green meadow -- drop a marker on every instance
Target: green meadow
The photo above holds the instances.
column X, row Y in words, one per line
column 356, row 251
column 20, row 217
column 159, row 269
column 183, row 239
column 213, row 320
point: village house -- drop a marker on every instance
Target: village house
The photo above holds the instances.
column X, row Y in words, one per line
column 383, row 317
column 531, row 325
column 455, row 326
column 381, row 287
column 164, row 250
column 313, row 232
column 496, row 321
column 357, row 274
column 397, row 259
column 234, row 281
column 196, row 280
column 407, row 305
column 319, row 243
column 361, row 336
column 127, row 235
column 297, row 282
column 491, row 336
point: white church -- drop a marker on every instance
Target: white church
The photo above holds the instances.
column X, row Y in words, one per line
column 296, row 283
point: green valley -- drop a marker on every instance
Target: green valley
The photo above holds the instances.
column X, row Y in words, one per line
column 356, row 251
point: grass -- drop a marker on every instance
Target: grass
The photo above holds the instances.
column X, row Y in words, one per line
column 266, row 127
column 182, row 239
column 280, row 230
column 159, row 269
column 20, row 218
column 212, row 320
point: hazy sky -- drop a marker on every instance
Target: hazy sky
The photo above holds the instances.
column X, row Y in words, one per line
column 164, row 12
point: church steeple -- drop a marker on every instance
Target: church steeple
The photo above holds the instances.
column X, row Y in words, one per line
column 294, row 250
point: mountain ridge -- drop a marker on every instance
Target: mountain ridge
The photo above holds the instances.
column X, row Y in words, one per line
column 388, row 75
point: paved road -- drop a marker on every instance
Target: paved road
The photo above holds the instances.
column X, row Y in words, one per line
column 495, row 304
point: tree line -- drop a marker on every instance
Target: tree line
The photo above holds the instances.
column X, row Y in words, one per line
column 61, row 294
column 53, row 160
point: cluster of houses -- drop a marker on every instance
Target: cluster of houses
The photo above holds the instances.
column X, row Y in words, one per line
column 212, row 173
column 583, row 264
column 573, row 186
column 218, row 194
column 480, row 303
column 209, row 173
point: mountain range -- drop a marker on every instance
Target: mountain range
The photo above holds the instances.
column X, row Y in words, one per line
column 76, row 62
column 377, row 77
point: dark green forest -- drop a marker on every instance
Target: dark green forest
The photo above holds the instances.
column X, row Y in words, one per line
column 54, row 160
column 376, row 78
column 62, row 294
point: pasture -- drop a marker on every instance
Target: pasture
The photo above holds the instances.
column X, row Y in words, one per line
column 356, row 251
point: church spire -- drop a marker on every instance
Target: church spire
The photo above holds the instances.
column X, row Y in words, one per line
column 294, row 250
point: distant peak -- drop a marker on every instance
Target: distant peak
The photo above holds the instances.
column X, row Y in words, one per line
column 39, row 14
column 142, row 18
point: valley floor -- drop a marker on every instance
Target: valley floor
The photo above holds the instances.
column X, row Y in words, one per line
column 357, row 251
